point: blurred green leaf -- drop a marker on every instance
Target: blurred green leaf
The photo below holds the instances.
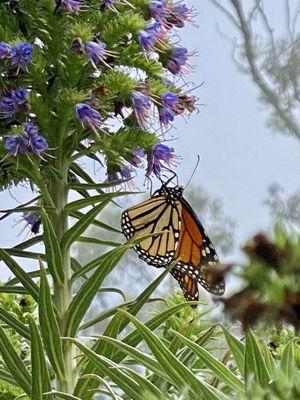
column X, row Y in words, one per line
column 237, row 349
column 8, row 318
column 49, row 328
column 288, row 359
column 40, row 378
column 14, row 363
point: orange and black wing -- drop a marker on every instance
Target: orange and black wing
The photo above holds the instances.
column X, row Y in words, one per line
column 197, row 255
column 152, row 216
column 188, row 284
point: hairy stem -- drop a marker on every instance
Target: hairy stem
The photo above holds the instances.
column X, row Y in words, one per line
column 62, row 294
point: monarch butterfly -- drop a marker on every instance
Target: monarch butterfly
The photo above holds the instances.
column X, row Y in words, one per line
column 183, row 237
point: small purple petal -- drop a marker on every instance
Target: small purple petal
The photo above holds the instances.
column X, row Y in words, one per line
column 21, row 55
column 72, row 5
column 89, row 115
column 141, row 105
column 37, row 143
column 160, row 155
column 16, row 144
column 96, row 52
column 5, row 50
column 165, row 116
column 170, row 100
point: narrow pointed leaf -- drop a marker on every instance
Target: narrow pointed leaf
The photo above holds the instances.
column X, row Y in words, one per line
column 89, row 289
column 83, row 223
column 53, row 252
column 8, row 318
column 78, row 204
column 99, row 224
column 23, row 277
column 288, row 360
column 61, row 395
column 14, row 363
column 218, row 369
column 181, row 376
column 255, row 365
column 49, row 328
column 237, row 349
column 127, row 384
column 7, row 377
column 40, row 377
column 13, row 289
column 91, row 240
column 133, row 339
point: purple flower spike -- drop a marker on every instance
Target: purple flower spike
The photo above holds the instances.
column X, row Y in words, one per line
column 160, row 155
column 169, row 100
column 96, row 52
column 5, row 50
column 165, row 116
column 90, row 116
column 21, row 55
column 142, row 106
column 37, row 143
column 72, row 6
column 16, row 144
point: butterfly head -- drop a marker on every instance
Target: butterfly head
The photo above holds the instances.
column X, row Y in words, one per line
column 171, row 193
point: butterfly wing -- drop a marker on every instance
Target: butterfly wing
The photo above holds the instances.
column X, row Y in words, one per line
column 198, row 257
column 188, row 284
column 153, row 216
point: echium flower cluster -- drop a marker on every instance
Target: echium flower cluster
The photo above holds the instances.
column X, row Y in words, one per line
column 114, row 87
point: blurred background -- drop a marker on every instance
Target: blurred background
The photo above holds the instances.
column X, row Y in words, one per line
column 248, row 139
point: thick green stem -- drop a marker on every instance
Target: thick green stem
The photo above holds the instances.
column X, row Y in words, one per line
column 62, row 294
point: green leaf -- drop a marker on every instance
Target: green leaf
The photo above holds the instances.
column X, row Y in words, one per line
column 61, row 395
column 40, row 378
column 83, row 223
column 217, row 367
column 7, row 377
column 237, row 349
column 127, row 384
column 144, row 359
column 53, row 252
column 13, row 289
column 78, row 204
column 14, row 363
column 254, row 362
column 28, row 243
column 89, row 289
column 269, row 360
column 148, row 388
column 180, row 375
column 288, row 360
column 8, row 318
column 91, row 186
column 90, row 240
column 99, row 224
column 49, row 328
column 23, row 277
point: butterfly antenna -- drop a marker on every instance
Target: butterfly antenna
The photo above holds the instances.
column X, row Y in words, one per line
column 194, row 170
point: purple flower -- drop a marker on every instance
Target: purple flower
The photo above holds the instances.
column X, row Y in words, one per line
column 178, row 58
column 165, row 116
column 12, row 101
column 123, row 173
column 160, row 155
column 149, row 36
column 89, row 115
column 19, row 96
column 97, row 53
column 16, row 144
column 37, row 143
column 137, row 155
column 110, row 3
column 72, row 5
column 169, row 100
column 5, row 50
column 33, row 221
column 179, row 14
column 159, row 11
column 141, row 105
column 21, row 55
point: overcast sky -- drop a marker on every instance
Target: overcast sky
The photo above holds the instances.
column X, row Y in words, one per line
column 240, row 156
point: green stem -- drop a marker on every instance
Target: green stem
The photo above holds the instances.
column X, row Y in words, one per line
column 62, row 294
